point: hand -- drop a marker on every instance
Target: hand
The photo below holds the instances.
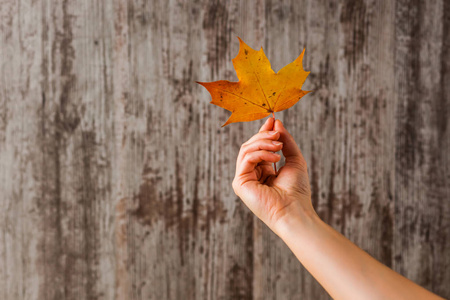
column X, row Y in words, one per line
column 283, row 202
column 270, row 196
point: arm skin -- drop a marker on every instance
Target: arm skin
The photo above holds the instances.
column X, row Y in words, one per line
column 283, row 202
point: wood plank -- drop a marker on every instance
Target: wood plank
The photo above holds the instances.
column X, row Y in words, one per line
column 183, row 232
column 288, row 27
column 20, row 95
column 422, row 210
column 57, row 164
column 343, row 128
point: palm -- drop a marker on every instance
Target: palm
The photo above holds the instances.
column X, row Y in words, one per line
column 269, row 195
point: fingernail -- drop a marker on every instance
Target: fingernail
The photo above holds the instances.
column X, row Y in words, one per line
column 277, row 154
column 272, row 132
column 277, row 143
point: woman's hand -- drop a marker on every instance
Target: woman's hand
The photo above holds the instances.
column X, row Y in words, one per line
column 271, row 196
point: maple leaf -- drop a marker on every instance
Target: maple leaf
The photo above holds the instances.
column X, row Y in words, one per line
column 260, row 91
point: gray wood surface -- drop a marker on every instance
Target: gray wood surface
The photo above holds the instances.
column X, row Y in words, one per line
column 115, row 175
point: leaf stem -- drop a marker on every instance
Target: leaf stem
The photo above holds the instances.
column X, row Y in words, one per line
column 274, row 164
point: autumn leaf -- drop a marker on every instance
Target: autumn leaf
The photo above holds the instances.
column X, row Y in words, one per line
column 260, row 91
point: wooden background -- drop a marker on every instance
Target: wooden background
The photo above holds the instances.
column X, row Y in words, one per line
column 115, row 175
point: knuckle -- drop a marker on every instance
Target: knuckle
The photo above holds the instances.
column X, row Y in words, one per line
column 235, row 186
column 270, row 152
column 247, row 158
column 264, row 152
column 244, row 156
column 262, row 134
column 265, row 142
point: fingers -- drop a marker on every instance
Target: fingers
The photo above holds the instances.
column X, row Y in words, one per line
column 262, row 144
column 258, row 150
column 250, row 160
column 266, row 170
column 269, row 135
column 291, row 151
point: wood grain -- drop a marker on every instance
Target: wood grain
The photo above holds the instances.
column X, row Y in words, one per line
column 115, row 178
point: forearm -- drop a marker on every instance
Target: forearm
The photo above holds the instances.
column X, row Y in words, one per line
column 343, row 269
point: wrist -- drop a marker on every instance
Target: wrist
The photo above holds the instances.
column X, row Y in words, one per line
column 299, row 219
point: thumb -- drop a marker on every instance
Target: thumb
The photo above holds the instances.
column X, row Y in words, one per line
column 290, row 149
column 268, row 125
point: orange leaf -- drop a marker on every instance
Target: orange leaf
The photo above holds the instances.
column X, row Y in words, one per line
column 260, row 91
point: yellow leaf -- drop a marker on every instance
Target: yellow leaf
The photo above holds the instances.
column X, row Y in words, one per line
column 260, row 91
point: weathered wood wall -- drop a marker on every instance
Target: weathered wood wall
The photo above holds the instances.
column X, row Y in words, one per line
column 115, row 176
